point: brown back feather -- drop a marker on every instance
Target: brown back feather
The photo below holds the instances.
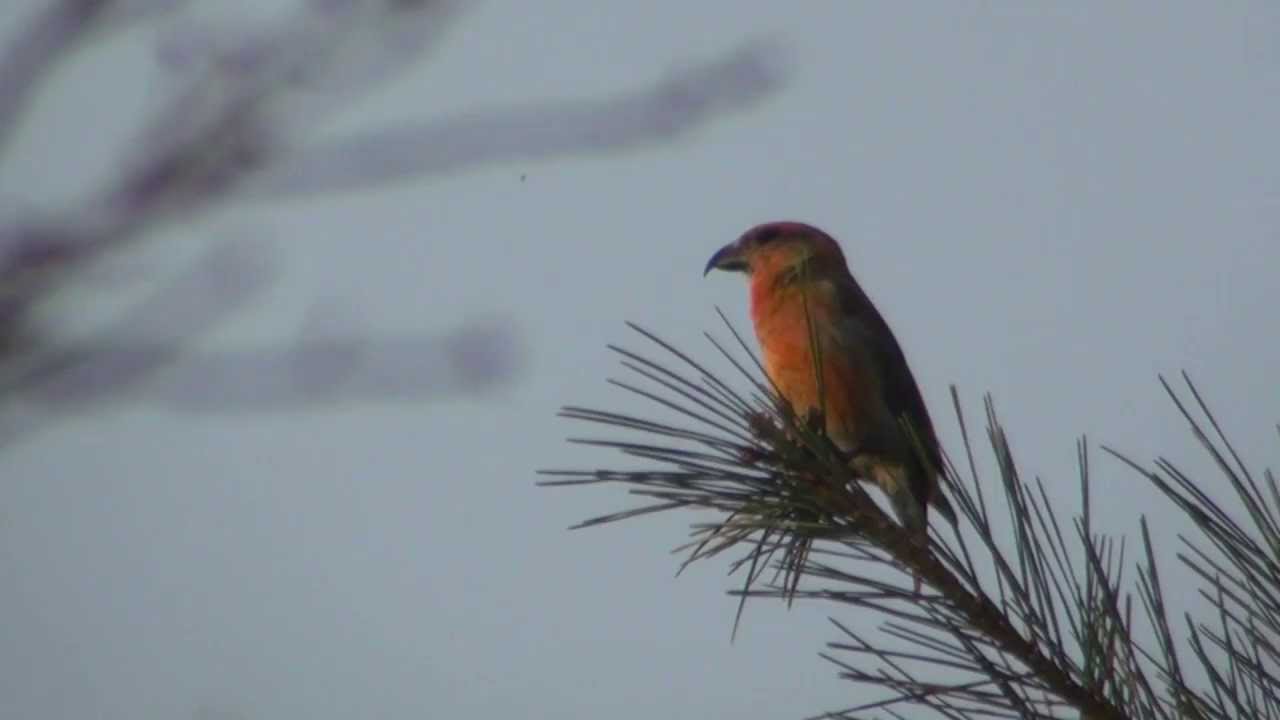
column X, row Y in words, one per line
column 901, row 394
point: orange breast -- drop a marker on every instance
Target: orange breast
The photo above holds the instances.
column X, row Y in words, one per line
column 845, row 393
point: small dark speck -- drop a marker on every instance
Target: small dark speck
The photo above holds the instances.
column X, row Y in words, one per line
column 523, row 176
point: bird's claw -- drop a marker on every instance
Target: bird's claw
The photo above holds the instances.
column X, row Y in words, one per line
column 754, row 455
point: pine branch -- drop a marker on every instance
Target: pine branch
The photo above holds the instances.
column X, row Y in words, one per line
column 1033, row 623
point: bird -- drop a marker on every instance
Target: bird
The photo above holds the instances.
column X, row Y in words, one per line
column 807, row 307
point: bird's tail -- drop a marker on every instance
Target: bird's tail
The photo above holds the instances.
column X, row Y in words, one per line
column 902, row 484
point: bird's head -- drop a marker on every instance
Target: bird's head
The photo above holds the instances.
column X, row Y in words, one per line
column 778, row 249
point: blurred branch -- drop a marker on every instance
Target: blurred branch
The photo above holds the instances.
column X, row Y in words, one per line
column 1029, row 618
column 49, row 35
column 229, row 277
column 669, row 109
column 336, row 370
column 146, row 356
column 237, row 129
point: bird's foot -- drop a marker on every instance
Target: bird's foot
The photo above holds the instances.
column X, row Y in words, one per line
column 767, row 435
column 756, row 455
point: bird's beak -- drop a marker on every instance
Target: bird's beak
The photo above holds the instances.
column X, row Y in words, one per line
column 730, row 258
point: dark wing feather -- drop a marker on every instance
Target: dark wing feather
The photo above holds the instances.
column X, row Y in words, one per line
column 901, row 394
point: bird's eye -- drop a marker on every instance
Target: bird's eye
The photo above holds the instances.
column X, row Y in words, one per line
column 768, row 235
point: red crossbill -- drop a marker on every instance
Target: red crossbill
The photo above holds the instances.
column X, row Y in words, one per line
column 805, row 303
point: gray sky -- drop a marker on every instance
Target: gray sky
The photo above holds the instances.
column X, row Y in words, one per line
column 1050, row 202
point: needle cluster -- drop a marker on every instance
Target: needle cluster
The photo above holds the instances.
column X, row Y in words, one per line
column 1023, row 612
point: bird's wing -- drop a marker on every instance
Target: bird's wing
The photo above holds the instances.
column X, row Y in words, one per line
column 898, row 387
column 862, row 330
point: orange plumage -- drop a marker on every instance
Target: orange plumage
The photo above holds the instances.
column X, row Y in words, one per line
column 804, row 302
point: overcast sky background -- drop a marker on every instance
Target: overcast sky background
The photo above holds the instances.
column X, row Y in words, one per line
column 1050, row 202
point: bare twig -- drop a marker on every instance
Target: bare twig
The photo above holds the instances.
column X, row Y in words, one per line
column 239, row 127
